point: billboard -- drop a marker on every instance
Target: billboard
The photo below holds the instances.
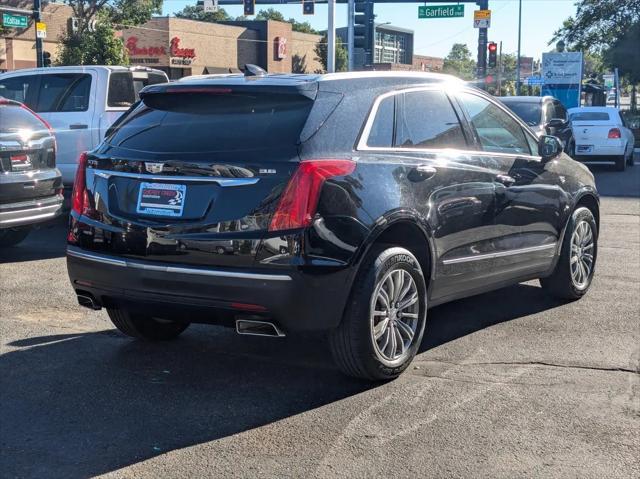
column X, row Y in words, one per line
column 562, row 73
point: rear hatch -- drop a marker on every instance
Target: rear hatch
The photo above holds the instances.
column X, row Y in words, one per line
column 194, row 172
column 27, row 155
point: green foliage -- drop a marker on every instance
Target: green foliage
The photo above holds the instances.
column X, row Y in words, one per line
column 100, row 47
column 273, row 14
column 194, row 13
column 342, row 57
column 460, row 62
column 609, row 29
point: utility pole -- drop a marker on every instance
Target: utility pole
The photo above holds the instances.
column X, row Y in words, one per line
column 331, row 38
column 36, row 17
column 519, row 45
column 351, row 12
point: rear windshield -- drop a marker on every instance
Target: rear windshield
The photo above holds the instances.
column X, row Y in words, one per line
column 193, row 123
column 589, row 116
column 530, row 113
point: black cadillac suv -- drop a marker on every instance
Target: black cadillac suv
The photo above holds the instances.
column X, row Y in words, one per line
column 30, row 183
column 350, row 203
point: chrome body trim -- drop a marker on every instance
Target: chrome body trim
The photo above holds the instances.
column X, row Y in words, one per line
column 500, row 254
column 126, row 263
column 189, row 179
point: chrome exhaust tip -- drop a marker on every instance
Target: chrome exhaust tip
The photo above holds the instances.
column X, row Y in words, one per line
column 254, row 327
column 88, row 302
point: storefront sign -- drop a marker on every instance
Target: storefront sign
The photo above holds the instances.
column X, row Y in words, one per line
column 281, row 48
column 176, row 51
column 180, row 61
column 136, row 51
column 144, row 61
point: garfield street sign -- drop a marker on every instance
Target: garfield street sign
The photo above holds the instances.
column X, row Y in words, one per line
column 441, row 11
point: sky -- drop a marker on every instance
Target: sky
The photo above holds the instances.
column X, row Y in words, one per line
column 540, row 18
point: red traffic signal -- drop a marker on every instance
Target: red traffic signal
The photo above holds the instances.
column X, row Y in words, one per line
column 493, row 54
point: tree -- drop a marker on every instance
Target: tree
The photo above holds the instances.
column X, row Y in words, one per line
column 100, row 46
column 275, row 15
column 195, row 13
column 459, row 62
column 342, row 57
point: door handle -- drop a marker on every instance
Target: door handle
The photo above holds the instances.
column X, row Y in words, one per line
column 505, row 180
column 421, row 173
column 78, row 126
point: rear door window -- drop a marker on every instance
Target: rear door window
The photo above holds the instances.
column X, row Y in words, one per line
column 496, row 130
column 121, row 91
column 381, row 134
column 427, row 119
column 64, row 92
column 20, row 88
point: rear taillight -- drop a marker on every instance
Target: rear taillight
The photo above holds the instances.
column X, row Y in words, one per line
column 299, row 201
column 79, row 196
column 614, row 133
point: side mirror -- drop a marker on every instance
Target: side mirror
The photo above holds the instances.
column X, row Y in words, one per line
column 549, row 147
column 556, row 123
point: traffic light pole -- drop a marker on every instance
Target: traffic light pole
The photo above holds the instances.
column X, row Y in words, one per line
column 36, row 17
column 482, row 44
column 350, row 32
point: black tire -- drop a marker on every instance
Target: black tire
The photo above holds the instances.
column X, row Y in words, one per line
column 13, row 236
column 631, row 160
column 621, row 163
column 352, row 342
column 561, row 283
column 145, row 327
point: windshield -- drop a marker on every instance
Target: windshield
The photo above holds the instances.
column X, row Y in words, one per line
column 529, row 112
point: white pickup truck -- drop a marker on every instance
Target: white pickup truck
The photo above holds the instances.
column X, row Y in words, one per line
column 79, row 102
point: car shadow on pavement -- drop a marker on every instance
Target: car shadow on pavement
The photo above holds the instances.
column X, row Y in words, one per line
column 78, row 405
column 46, row 241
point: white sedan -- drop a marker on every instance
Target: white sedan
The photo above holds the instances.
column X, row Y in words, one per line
column 601, row 135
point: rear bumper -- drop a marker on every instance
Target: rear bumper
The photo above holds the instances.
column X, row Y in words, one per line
column 294, row 299
column 599, row 151
column 30, row 212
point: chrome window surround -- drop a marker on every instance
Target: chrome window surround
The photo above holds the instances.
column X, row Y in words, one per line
column 364, row 136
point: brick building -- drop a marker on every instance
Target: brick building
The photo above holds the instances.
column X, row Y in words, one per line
column 178, row 46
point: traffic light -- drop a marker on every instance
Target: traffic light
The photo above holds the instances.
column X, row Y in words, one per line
column 46, row 59
column 308, row 7
column 493, row 54
column 249, row 7
column 363, row 30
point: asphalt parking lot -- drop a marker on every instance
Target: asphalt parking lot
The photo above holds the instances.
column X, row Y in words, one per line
column 507, row 384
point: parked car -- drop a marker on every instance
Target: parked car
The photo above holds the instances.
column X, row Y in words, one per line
column 30, row 183
column 386, row 194
column 545, row 115
column 602, row 135
column 79, row 102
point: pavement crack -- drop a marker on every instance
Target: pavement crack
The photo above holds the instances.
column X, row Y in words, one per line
column 544, row 363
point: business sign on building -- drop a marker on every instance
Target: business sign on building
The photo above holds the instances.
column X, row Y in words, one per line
column 441, row 11
column 280, row 48
column 562, row 73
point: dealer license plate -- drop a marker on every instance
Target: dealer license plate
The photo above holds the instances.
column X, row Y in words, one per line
column 161, row 199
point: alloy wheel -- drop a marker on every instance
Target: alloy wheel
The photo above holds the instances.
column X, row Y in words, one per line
column 582, row 254
column 395, row 309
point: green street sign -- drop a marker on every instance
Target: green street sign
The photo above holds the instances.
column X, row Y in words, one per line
column 14, row 21
column 441, row 11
